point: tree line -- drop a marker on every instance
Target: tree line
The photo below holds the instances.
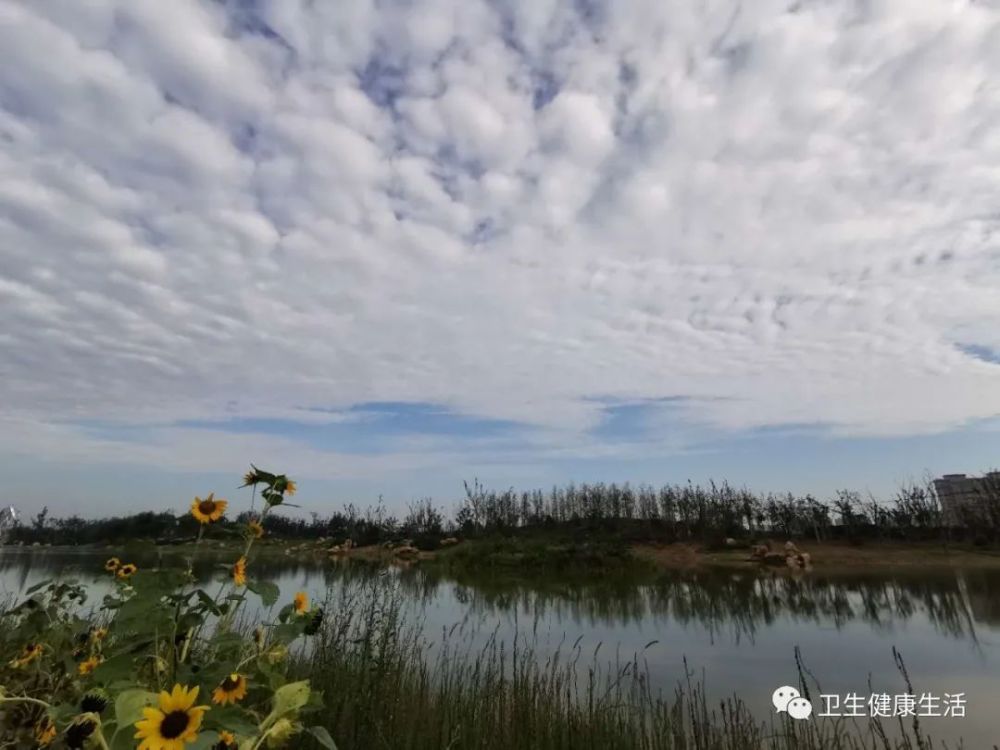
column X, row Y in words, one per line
column 673, row 512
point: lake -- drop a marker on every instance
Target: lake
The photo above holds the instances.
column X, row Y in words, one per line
column 735, row 630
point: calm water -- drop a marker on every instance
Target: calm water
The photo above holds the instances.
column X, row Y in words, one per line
column 737, row 630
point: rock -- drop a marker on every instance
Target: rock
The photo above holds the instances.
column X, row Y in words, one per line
column 448, row 541
column 407, row 550
column 798, row 561
column 730, row 542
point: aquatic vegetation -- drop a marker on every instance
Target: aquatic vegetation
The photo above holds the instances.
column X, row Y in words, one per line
column 383, row 677
column 130, row 673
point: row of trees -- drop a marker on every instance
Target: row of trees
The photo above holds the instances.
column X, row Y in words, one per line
column 668, row 513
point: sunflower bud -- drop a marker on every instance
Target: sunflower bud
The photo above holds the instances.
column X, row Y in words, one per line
column 282, row 731
column 315, row 621
column 81, row 729
column 95, row 701
column 277, row 654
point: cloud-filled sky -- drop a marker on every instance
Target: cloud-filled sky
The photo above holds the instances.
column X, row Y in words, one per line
column 388, row 245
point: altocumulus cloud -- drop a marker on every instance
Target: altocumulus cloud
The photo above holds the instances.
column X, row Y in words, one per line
column 751, row 214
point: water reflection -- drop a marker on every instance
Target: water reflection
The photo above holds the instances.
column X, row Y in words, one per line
column 734, row 604
column 737, row 604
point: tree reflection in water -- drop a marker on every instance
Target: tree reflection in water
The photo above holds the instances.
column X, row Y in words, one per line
column 726, row 603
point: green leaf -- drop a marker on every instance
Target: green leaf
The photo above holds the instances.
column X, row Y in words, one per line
column 290, row 697
column 286, row 632
column 209, row 603
column 267, row 591
column 205, row 741
column 122, row 740
column 38, row 586
column 129, row 705
column 116, row 668
column 234, row 719
column 322, row 737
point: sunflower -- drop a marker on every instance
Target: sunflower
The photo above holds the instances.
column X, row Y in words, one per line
column 79, row 731
column 256, row 476
column 226, row 741
column 112, row 564
column 209, row 509
column 94, row 702
column 282, row 731
column 28, row 654
column 174, row 723
column 240, row 572
column 98, row 634
column 290, row 487
column 231, row 690
column 45, row 732
column 126, row 571
column 255, row 529
column 88, row 665
column 301, row 603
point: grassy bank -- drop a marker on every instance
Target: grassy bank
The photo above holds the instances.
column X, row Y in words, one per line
column 582, row 556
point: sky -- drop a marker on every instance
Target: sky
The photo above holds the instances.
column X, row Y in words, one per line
column 385, row 246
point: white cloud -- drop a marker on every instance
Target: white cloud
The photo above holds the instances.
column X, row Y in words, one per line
column 788, row 209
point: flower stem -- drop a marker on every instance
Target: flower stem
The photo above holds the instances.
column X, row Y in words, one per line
column 25, row 699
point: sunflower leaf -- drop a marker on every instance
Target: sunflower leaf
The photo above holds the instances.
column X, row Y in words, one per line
column 289, row 698
column 209, row 603
column 129, row 705
column 38, row 587
column 235, row 719
column 322, row 737
column 267, row 591
column 205, row 741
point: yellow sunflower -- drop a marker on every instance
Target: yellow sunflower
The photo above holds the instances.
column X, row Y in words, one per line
column 28, row 654
column 230, row 690
column 240, row 572
column 45, row 732
column 88, row 665
column 98, row 634
column 290, row 487
column 226, row 739
column 126, row 571
column 112, row 564
column 209, row 509
column 255, row 529
column 301, row 603
column 173, row 723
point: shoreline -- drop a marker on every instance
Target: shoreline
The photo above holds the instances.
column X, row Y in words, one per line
column 826, row 556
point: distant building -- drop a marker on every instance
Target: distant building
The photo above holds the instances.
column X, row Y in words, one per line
column 961, row 496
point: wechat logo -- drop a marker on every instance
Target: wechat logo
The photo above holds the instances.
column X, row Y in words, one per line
column 787, row 698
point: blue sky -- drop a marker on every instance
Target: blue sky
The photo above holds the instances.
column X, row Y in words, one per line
column 386, row 247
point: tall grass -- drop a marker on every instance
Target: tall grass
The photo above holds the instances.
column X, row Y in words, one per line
column 385, row 686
